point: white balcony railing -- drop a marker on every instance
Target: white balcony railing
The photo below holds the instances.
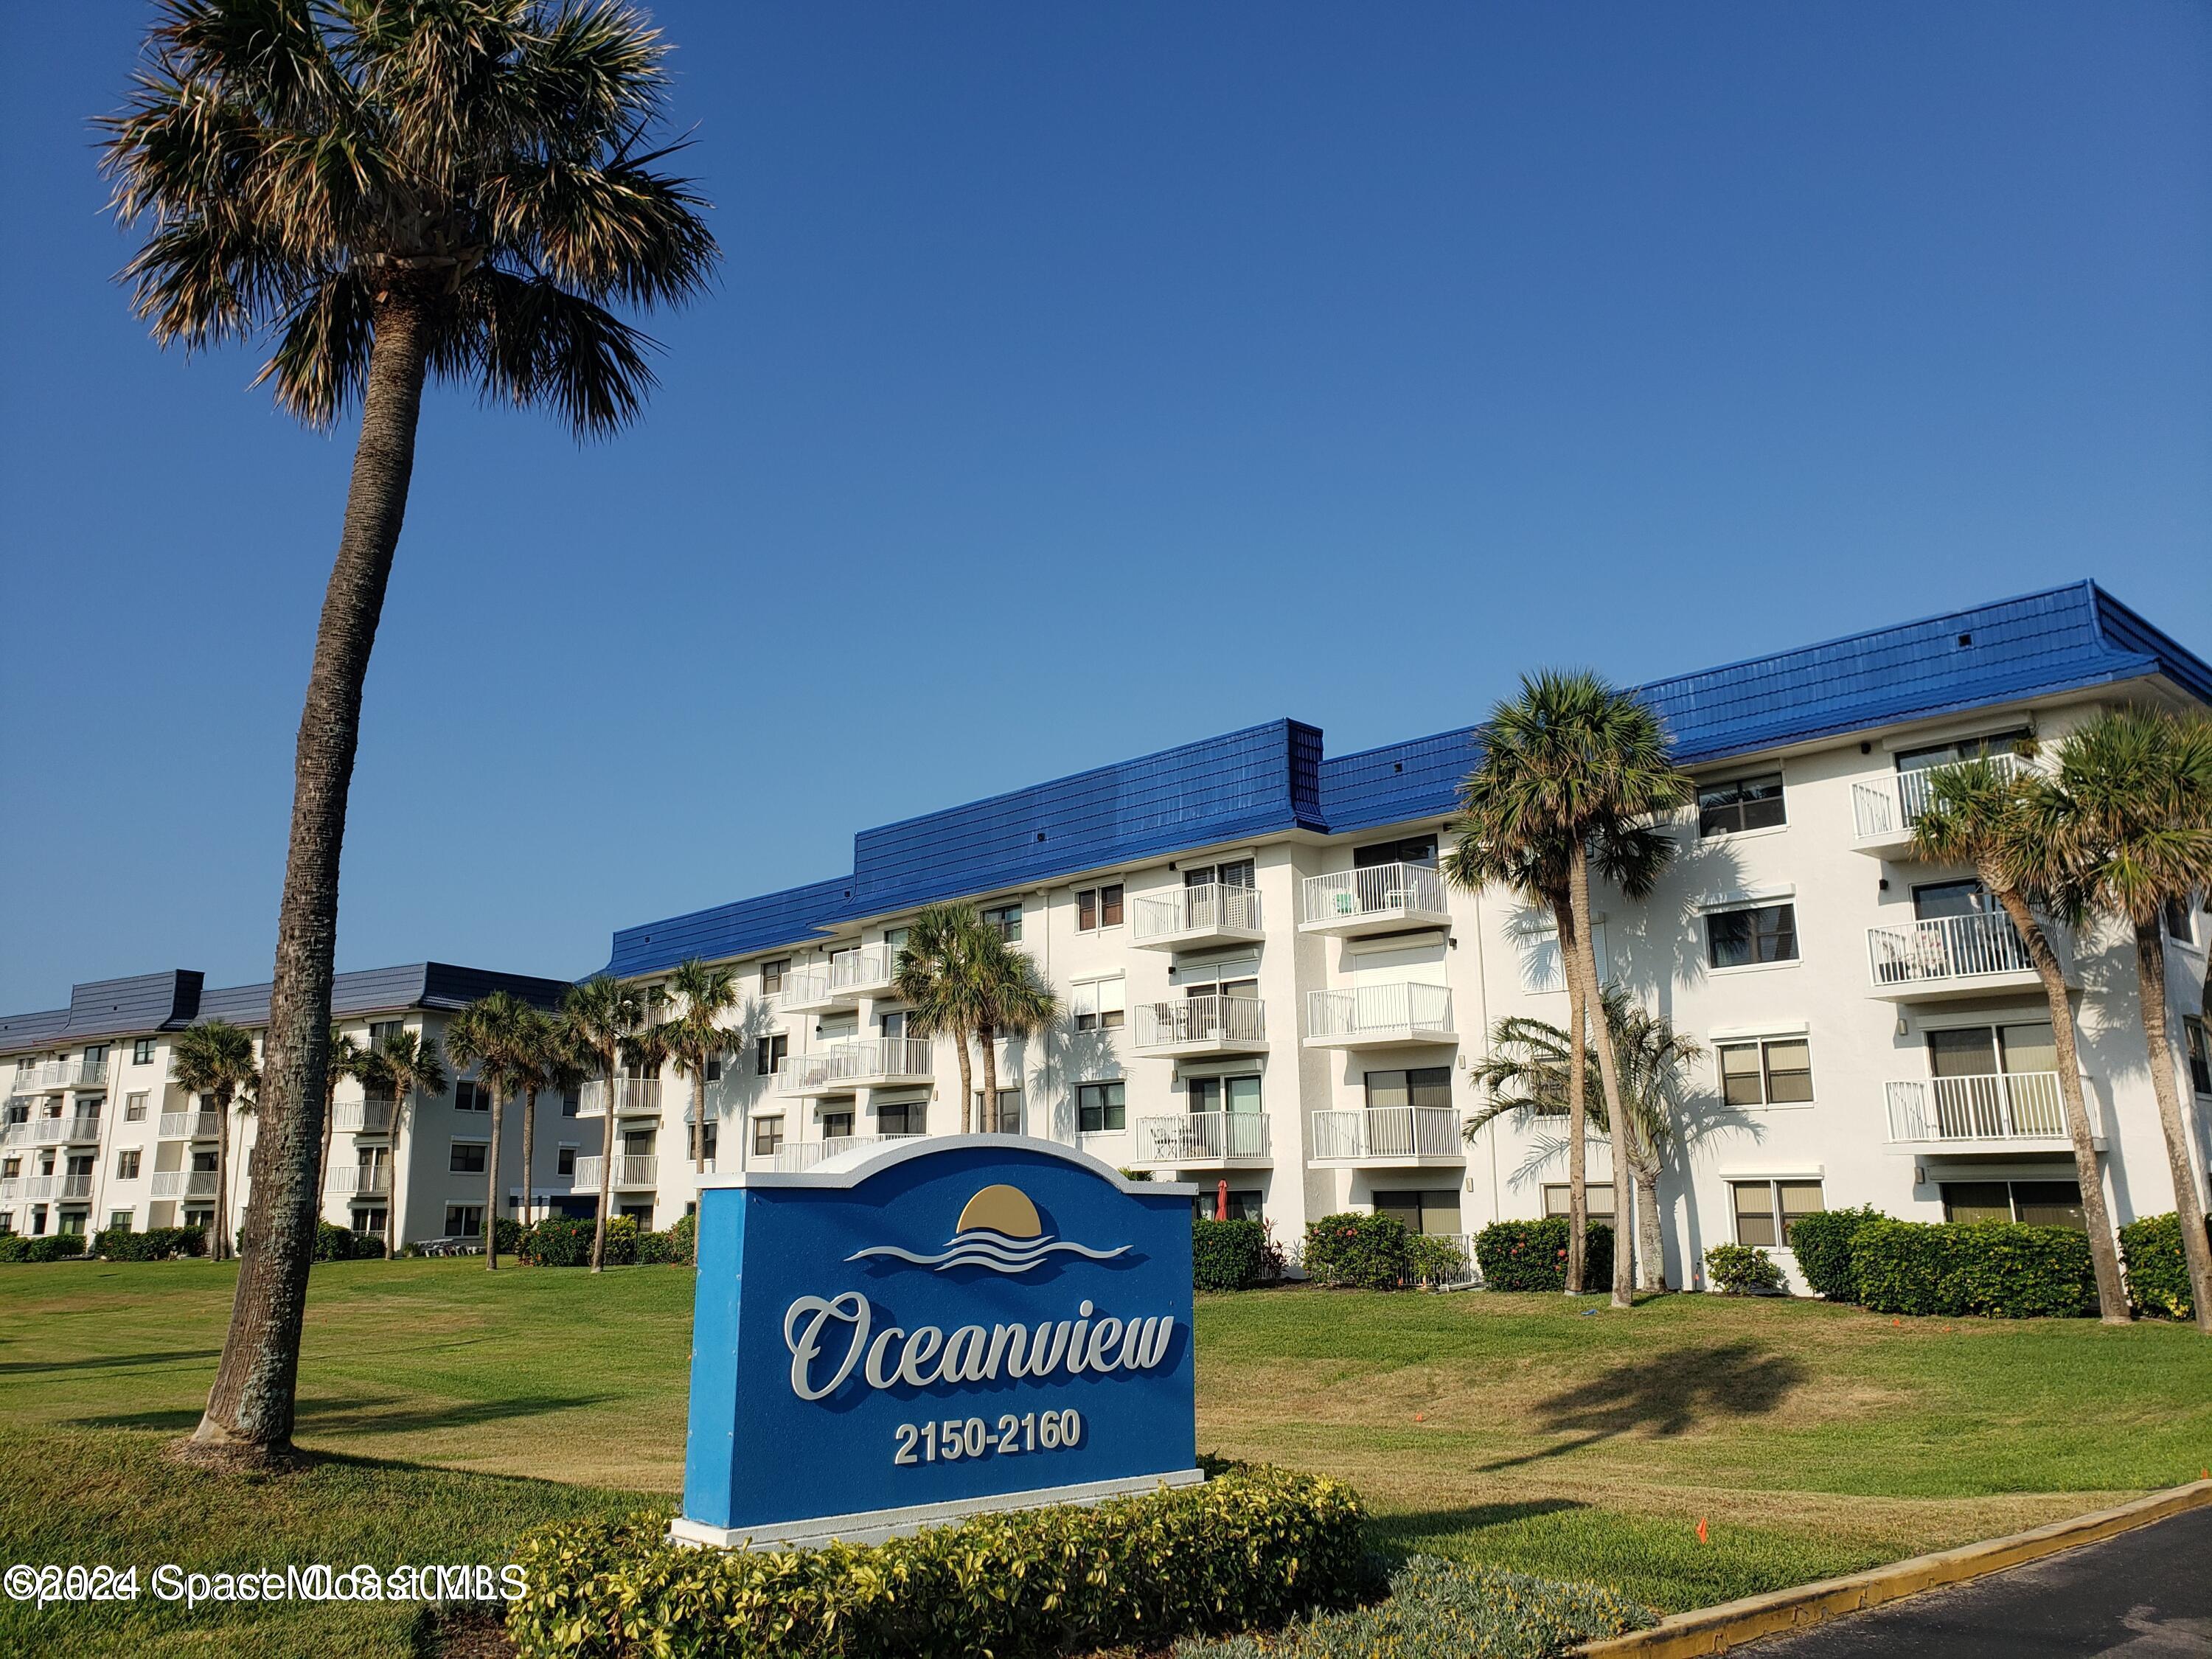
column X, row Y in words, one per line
column 1892, row 805
column 74, row 1185
column 1999, row 1106
column 859, row 1060
column 1380, row 893
column 795, row 1155
column 855, row 973
column 628, row 1172
column 1202, row 1137
column 1947, row 948
column 200, row 1183
column 1389, row 1131
column 191, row 1126
column 62, row 1131
column 52, row 1074
column 1402, row 1011
column 1201, row 1022
column 359, row 1117
column 365, row 1181
column 635, row 1097
column 1208, row 909
column 34, row 1186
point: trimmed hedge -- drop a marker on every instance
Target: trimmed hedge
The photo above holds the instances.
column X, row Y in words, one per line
column 2158, row 1273
column 1365, row 1251
column 1440, row 1609
column 565, row 1241
column 1227, row 1255
column 1253, row 1546
column 1997, row 1268
column 1740, row 1269
column 337, row 1243
column 1532, row 1255
column 47, row 1247
column 158, row 1244
column 1822, row 1243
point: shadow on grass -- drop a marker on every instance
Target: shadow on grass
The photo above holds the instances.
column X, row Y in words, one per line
column 107, row 1362
column 1410, row 1531
column 362, row 1416
column 1668, row 1394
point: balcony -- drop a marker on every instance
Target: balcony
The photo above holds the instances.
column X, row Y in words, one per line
column 1197, row 1140
column 628, row 1172
column 356, row 1117
column 635, row 1097
column 191, row 1126
column 1884, row 812
column 53, row 1075
column 2001, row 1112
column 841, row 982
column 78, row 1129
column 1375, row 900
column 1949, row 957
column 1190, row 917
column 861, row 1062
column 796, row 1155
column 1379, row 1017
column 1408, row 1137
column 200, row 1183
column 31, row 1186
column 74, row 1187
column 361, row 1180
column 1202, row 1025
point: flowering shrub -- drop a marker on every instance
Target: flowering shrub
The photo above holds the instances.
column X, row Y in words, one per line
column 1367, row 1251
column 1532, row 1255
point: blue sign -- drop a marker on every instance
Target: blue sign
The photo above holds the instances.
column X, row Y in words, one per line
column 930, row 1327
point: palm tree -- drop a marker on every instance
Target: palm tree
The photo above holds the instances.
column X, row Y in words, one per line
column 493, row 1035
column 344, row 1062
column 217, row 1060
column 696, row 1042
column 1013, row 1003
column 543, row 1060
column 1978, row 815
column 418, row 187
column 407, row 1063
column 2129, row 822
column 1527, row 1071
column 601, row 1015
column 937, row 976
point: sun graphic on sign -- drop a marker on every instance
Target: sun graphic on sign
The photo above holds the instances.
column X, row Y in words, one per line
column 998, row 1230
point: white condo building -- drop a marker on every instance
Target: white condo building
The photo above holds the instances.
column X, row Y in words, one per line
column 1267, row 988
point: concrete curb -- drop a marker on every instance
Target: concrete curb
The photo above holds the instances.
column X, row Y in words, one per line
column 1732, row 1624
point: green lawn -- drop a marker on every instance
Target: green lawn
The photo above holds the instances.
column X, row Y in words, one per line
column 458, row 1409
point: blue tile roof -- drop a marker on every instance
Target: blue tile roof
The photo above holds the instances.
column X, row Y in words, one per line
column 1272, row 778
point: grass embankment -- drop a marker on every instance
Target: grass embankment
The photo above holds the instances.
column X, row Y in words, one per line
column 458, row 1409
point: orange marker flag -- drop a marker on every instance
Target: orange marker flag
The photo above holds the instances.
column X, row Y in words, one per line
column 1701, row 1530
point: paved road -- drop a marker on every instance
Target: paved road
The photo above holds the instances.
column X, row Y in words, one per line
column 2145, row 1595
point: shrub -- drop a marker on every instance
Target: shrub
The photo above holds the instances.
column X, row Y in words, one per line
column 653, row 1249
column 1440, row 1609
column 559, row 1240
column 681, row 1239
column 1740, row 1269
column 1532, row 1255
column 1822, row 1243
column 1254, row 1546
column 1226, row 1255
column 1998, row 1269
column 622, row 1243
column 337, row 1243
column 506, row 1233
column 2158, row 1273
column 1368, row 1251
column 159, row 1244
column 1431, row 1259
column 48, row 1247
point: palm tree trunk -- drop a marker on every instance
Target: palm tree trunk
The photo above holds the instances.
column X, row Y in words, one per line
column 219, row 1245
column 1577, row 1105
column 529, row 1155
column 2188, row 1202
column 251, row 1405
column 986, row 1039
column 1608, row 1070
column 491, row 1197
column 967, row 1084
column 1651, row 1240
column 699, row 1118
column 392, row 1161
column 2104, row 1250
column 608, row 1058
column 323, row 1158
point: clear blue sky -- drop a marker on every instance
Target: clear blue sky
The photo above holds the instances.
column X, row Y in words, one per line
column 1085, row 379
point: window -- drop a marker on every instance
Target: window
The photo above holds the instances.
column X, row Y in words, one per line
column 1006, row 919
column 364, row 1220
column 1949, row 754
column 1098, row 906
column 571, row 1102
column 118, row 1219
column 772, row 974
column 467, row 1158
column 837, row 1125
column 2035, row 1203
column 1933, row 900
column 134, row 1109
column 1756, row 935
column 1100, row 1107
column 714, row 1068
column 1724, row 809
column 903, row 1117
column 126, row 1164
column 1243, row 1205
column 641, row 1213
column 2180, row 921
column 381, row 1030
column 1413, row 849
column 1766, row 1211
column 1423, row 1210
column 1425, row 1086
column 1235, row 873
column 95, row 1055
column 465, row 1221
column 472, row 1098
column 1223, row 1094
column 564, row 1161
column 769, row 1059
column 2200, row 1054
column 767, row 1136
column 1600, row 1194
column 1099, row 1005
column 142, row 1052
column 1776, row 1072
column 710, row 1136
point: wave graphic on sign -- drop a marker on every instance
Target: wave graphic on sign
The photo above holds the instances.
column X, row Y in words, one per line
column 998, row 1229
